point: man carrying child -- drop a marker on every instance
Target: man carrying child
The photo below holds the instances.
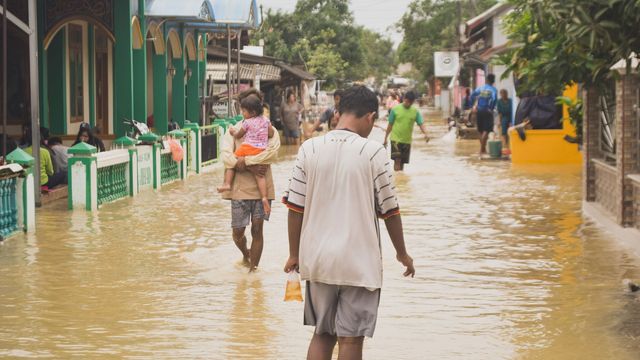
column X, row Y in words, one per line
column 249, row 204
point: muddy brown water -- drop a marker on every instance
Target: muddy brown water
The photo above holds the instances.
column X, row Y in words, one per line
column 507, row 268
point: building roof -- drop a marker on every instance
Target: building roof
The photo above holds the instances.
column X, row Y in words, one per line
column 216, row 53
column 477, row 22
column 297, row 72
column 185, row 10
column 218, row 71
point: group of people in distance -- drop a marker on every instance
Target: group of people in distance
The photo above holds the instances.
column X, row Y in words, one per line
column 337, row 253
column 53, row 153
column 483, row 101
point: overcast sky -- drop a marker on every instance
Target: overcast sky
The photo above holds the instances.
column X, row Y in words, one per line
column 377, row 15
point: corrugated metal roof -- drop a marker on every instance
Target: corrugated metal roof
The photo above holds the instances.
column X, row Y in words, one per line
column 218, row 71
column 187, row 10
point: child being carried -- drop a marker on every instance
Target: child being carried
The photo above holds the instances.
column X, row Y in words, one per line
column 256, row 131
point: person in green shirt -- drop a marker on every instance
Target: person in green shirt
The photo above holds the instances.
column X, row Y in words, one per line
column 48, row 178
column 402, row 119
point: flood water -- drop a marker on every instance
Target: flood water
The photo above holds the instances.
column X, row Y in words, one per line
column 507, row 268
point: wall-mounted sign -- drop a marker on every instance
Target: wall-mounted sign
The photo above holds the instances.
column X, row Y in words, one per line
column 446, row 63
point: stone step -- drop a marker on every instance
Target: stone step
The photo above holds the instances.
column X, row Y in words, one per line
column 57, row 193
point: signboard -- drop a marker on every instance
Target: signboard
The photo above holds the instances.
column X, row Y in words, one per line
column 145, row 167
column 220, row 109
column 446, row 63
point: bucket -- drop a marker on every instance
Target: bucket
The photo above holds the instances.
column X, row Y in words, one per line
column 495, row 149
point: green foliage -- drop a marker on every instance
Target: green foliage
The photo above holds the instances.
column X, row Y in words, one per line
column 432, row 25
column 575, row 110
column 320, row 34
column 565, row 41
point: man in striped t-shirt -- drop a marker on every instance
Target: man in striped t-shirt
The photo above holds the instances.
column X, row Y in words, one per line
column 341, row 184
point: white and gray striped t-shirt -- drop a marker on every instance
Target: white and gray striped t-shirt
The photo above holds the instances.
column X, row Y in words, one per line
column 342, row 183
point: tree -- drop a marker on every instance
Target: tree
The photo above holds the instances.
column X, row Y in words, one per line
column 566, row 41
column 320, row 35
column 432, row 25
column 561, row 42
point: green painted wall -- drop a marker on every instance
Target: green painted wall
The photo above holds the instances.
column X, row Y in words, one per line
column 140, row 83
column 178, row 94
column 123, row 67
column 193, row 98
column 57, row 83
column 140, row 70
column 92, row 77
column 160, row 98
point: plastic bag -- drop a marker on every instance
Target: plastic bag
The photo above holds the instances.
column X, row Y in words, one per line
column 177, row 153
column 293, row 291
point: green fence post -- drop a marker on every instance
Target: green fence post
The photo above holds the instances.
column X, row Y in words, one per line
column 83, row 177
column 25, row 197
column 126, row 142
column 195, row 148
column 152, row 139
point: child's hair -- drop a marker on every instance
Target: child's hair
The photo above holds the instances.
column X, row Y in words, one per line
column 252, row 104
column 359, row 101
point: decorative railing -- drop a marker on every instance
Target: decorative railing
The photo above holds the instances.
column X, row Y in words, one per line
column 113, row 176
column 210, row 142
column 8, row 206
column 169, row 169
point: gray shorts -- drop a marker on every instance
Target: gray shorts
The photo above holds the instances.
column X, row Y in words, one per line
column 344, row 311
column 245, row 211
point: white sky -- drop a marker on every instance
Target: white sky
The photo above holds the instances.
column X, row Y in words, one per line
column 377, row 15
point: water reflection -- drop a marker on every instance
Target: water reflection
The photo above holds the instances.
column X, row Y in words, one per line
column 507, row 269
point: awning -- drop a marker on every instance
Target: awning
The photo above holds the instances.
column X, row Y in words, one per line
column 218, row 71
column 295, row 71
column 185, row 10
column 235, row 14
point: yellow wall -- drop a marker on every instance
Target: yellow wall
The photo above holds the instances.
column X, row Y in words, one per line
column 547, row 146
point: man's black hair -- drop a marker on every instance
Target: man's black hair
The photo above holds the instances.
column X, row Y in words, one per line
column 411, row 96
column 358, row 100
column 338, row 93
column 491, row 79
column 252, row 104
column 55, row 140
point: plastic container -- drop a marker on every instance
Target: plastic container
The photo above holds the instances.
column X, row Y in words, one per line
column 495, row 149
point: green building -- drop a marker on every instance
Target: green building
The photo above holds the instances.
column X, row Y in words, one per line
column 104, row 61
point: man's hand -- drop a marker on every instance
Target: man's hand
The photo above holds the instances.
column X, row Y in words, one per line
column 407, row 261
column 427, row 138
column 241, row 165
column 232, row 131
column 291, row 265
column 259, row 170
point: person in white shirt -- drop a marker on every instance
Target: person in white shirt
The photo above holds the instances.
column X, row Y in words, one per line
column 341, row 184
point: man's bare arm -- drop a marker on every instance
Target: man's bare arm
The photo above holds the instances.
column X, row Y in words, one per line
column 394, row 228
column 295, row 229
column 386, row 135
